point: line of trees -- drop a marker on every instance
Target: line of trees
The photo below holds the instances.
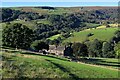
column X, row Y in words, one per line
column 97, row 48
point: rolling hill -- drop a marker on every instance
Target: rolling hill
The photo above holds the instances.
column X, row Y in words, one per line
column 24, row 64
column 60, row 10
column 101, row 34
column 55, row 21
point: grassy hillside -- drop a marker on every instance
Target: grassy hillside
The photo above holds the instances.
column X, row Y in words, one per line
column 26, row 64
column 54, row 37
column 92, row 24
column 101, row 34
column 29, row 24
column 43, row 21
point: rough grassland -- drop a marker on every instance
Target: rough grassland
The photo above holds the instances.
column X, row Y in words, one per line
column 26, row 64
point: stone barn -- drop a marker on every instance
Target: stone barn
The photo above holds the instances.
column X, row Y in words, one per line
column 58, row 51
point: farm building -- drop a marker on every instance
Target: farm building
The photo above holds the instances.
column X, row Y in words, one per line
column 59, row 50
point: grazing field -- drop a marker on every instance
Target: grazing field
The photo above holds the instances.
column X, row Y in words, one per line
column 26, row 64
column 92, row 25
column 101, row 34
column 54, row 37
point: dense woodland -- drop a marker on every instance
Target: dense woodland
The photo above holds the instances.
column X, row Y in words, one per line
column 20, row 36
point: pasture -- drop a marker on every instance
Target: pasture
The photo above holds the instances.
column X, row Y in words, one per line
column 92, row 25
column 27, row 64
column 54, row 37
column 101, row 34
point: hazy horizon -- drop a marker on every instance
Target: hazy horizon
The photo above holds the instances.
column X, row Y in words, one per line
column 58, row 4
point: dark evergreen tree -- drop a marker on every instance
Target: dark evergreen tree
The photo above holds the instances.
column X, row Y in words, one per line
column 68, row 50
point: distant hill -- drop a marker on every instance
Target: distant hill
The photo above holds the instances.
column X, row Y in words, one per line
column 47, row 9
column 50, row 21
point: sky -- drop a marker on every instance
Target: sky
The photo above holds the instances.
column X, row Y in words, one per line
column 59, row 0
column 55, row 3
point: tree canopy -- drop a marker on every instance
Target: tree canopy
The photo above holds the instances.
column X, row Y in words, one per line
column 39, row 45
column 17, row 36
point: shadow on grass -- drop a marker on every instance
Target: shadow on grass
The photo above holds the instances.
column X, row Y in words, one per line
column 11, row 51
column 99, row 62
column 85, row 60
column 75, row 77
column 5, row 47
column 15, row 51
column 112, row 62
column 50, row 56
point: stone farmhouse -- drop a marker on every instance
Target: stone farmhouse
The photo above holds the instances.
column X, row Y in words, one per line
column 56, row 50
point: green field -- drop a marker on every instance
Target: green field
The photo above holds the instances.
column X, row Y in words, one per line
column 29, row 24
column 92, row 25
column 27, row 64
column 54, row 37
column 43, row 21
column 101, row 34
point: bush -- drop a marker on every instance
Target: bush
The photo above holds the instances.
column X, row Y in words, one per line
column 90, row 34
column 80, row 49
